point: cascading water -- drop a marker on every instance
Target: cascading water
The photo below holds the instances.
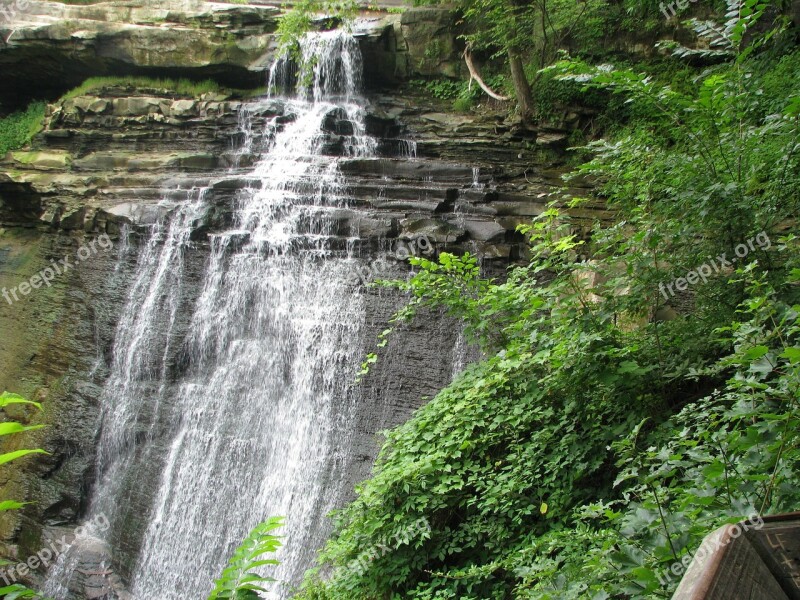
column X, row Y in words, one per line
column 257, row 422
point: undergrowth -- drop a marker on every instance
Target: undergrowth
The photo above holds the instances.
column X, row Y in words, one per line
column 181, row 87
column 613, row 422
column 18, row 129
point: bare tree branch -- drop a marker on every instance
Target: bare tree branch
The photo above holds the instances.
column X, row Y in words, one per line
column 473, row 72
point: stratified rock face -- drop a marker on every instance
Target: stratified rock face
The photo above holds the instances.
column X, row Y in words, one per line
column 99, row 173
column 105, row 159
column 50, row 47
column 98, row 176
column 54, row 47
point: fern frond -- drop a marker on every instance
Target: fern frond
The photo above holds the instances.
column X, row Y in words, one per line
column 237, row 582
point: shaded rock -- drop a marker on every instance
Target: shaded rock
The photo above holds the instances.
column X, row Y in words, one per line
column 449, row 120
column 135, row 106
column 422, row 170
column 73, row 219
column 183, row 108
column 484, row 231
column 495, row 251
column 373, row 227
column 435, row 230
column 56, row 46
column 551, row 139
column 429, row 35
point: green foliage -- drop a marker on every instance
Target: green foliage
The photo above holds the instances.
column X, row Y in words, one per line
column 443, row 89
column 778, row 78
column 237, row 581
column 12, row 592
column 705, row 167
column 303, row 18
column 18, row 129
column 510, row 462
column 501, row 25
column 12, row 427
column 182, row 87
column 726, row 456
column 553, row 95
column 462, row 104
column 540, row 28
column 462, row 94
column 597, row 444
column 533, row 33
column 16, row 590
column 294, row 24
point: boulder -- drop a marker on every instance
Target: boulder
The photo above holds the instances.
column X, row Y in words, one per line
column 439, row 232
column 429, row 36
column 484, row 231
column 183, row 108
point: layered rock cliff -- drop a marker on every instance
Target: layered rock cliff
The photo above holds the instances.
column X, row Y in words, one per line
column 108, row 157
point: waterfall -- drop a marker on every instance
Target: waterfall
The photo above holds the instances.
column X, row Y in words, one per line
column 257, row 421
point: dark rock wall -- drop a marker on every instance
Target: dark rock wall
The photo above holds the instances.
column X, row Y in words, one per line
column 108, row 157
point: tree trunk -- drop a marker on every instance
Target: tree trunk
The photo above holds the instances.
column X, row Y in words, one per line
column 521, row 87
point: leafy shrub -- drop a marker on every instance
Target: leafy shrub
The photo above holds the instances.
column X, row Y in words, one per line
column 778, row 79
column 462, row 104
column 443, row 89
column 552, row 96
column 461, row 93
column 184, row 87
column 14, row 591
column 597, row 443
column 18, row 129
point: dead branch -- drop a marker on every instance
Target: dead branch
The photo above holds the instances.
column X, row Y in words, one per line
column 473, row 73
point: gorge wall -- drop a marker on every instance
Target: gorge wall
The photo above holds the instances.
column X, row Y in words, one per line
column 115, row 160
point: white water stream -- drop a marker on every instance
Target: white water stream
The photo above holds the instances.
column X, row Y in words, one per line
column 257, row 424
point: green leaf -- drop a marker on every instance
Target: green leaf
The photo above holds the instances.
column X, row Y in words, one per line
column 793, row 354
column 7, row 399
column 755, row 352
column 11, row 505
column 12, row 592
column 236, row 581
column 10, row 427
column 9, row 456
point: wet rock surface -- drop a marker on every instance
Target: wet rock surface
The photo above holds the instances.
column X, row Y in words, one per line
column 113, row 161
column 50, row 47
column 105, row 164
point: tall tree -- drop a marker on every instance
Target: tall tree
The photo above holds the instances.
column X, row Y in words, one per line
column 527, row 33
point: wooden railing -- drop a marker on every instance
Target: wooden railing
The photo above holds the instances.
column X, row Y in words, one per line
column 752, row 560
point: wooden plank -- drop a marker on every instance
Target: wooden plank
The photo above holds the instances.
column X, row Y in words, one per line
column 747, row 561
column 778, row 545
column 731, row 570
